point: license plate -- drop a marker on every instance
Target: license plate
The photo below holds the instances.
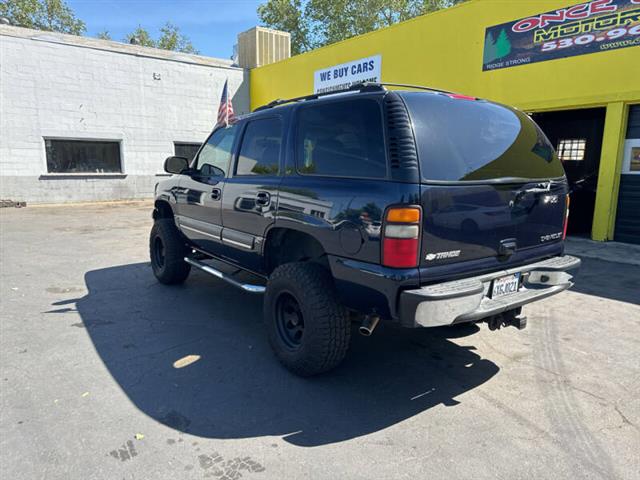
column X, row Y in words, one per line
column 505, row 285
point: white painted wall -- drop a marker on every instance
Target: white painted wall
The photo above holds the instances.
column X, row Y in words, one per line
column 63, row 86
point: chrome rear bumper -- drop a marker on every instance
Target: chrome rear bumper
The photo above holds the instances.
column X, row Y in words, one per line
column 468, row 300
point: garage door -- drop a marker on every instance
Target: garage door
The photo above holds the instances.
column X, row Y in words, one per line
column 628, row 216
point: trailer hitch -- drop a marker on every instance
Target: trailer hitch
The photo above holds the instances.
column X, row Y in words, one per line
column 511, row 318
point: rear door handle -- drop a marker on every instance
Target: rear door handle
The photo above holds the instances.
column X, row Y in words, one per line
column 216, row 193
column 263, row 198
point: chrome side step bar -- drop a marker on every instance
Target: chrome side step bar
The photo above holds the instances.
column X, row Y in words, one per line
column 223, row 276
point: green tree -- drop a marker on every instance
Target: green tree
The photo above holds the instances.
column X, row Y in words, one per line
column 288, row 16
column 104, row 35
column 503, row 44
column 489, row 49
column 51, row 15
column 314, row 23
column 140, row 36
column 170, row 39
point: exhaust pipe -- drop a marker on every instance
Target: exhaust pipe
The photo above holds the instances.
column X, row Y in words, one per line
column 369, row 324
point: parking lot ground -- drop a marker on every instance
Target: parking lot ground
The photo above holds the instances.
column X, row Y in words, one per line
column 106, row 374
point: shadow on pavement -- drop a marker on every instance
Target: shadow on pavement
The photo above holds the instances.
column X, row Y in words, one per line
column 616, row 281
column 236, row 388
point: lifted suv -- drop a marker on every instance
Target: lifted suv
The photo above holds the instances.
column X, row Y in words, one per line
column 424, row 208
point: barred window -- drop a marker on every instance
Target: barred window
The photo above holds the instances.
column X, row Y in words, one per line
column 572, row 150
column 186, row 150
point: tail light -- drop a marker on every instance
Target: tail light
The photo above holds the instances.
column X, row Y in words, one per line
column 566, row 218
column 401, row 238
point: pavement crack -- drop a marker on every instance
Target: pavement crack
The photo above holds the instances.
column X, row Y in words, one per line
column 591, row 394
column 164, row 350
column 625, row 419
column 561, row 377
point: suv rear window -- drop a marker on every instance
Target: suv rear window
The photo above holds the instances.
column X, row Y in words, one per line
column 463, row 140
column 342, row 138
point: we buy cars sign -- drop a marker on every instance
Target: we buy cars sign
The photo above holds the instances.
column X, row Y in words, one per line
column 340, row 77
column 590, row 27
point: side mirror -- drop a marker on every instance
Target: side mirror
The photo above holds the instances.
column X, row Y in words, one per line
column 176, row 165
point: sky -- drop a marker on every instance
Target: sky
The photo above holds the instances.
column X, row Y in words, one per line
column 211, row 25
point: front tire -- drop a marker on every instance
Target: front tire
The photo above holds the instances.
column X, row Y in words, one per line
column 309, row 330
column 167, row 250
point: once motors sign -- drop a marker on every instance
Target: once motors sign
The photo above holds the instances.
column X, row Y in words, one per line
column 339, row 77
column 590, row 27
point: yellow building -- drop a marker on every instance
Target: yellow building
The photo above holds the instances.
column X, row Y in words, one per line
column 574, row 67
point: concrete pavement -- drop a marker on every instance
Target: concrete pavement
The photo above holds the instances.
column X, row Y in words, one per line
column 105, row 374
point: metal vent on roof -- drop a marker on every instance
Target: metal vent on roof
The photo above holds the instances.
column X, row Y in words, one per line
column 402, row 147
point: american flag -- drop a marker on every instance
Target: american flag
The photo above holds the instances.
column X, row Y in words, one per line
column 225, row 111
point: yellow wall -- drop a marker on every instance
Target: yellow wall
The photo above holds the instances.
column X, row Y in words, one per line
column 445, row 49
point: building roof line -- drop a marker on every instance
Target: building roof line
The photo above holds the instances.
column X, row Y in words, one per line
column 114, row 47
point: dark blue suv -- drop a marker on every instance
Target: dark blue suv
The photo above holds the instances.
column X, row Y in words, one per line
column 414, row 206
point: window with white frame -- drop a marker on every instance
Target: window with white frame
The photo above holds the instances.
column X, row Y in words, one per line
column 572, row 149
column 83, row 156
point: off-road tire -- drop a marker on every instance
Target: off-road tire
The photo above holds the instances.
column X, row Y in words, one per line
column 171, row 269
column 325, row 338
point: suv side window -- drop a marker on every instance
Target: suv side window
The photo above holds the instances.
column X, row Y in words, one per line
column 260, row 150
column 213, row 159
column 343, row 139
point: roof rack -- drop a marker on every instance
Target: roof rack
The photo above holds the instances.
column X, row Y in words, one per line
column 417, row 87
column 361, row 87
column 356, row 87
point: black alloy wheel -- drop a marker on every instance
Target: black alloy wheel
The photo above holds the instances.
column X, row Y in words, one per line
column 308, row 328
column 289, row 320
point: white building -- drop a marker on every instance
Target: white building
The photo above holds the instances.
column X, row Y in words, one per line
column 83, row 119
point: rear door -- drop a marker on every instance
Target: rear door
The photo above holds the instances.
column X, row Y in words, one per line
column 199, row 201
column 251, row 193
column 492, row 185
